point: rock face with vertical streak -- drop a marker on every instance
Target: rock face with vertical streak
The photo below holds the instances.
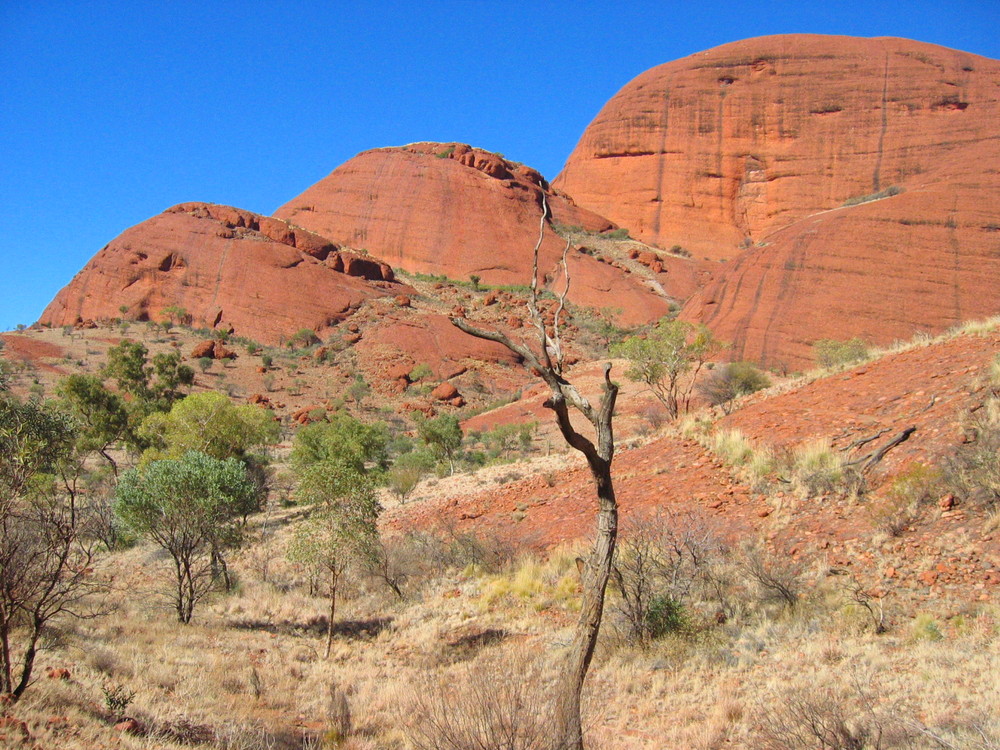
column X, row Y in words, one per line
column 749, row 153
column 451, row 209
column 227, row 268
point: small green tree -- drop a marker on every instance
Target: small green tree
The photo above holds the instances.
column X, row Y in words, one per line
column 341, row 528
column 205, row 364
column 668, row 360
column 406, row 472
column 303, row 337
column 101, row 416
column 151, row 388
column 832, row 353
column 188, row 506
column 174, row 315
column 443, row 435
column 45, row 559
column 170, row 377
column 126, row 365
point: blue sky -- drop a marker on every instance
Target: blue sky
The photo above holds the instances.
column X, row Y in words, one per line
column 111, row 112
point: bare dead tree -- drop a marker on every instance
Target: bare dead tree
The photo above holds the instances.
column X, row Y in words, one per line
column 595, row 571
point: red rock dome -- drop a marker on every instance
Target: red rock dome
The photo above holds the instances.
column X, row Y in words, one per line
column 750, row 151
column 448, row 208
column 226, row 267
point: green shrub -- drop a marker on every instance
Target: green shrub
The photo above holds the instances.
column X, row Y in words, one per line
column 419, row 372
column 303, row 337
column 926, row 628
column 665, row 616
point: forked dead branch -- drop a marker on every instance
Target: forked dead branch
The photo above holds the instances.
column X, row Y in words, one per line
column 595, row 571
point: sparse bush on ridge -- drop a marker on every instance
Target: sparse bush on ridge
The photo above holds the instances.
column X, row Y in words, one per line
column 884, row 193
column 831, row 353
column 731, row 381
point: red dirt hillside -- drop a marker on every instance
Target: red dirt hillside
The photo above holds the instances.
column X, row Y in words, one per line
column 932, row 388
column 450, row 209
column 226, row 267
column 748, row 143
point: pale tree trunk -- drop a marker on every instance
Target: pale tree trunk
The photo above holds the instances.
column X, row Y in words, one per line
column 594, row 574
column 596, row 570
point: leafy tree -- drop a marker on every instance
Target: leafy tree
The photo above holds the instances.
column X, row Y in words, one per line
column 188, row 506
column 175, row 314
column 101, row 415
column 342, row 440
column 151, row 387
column 660, row 359
column 127, row 367
column 358, row 389
column 211, row 424
column 303, row 337
column 341, row 528
column 170, row 376
column 443, row 435
column 45, row 560
column 406, row 472
column 503, row 439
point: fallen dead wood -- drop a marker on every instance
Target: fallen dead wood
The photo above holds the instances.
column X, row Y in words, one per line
column 871, row 459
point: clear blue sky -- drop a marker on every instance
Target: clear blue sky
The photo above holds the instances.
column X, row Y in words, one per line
column 111, row 112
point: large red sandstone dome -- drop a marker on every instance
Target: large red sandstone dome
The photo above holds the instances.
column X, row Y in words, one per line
column 750, row 151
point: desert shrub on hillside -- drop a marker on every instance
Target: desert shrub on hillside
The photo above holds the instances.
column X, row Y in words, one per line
column 816, row 468
column 660, row 570
column 900, row 504
column 304, row 337
column 732, row 381
column 835, row 714
column 831, row 353
column 973, row 472
column 406, row 472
